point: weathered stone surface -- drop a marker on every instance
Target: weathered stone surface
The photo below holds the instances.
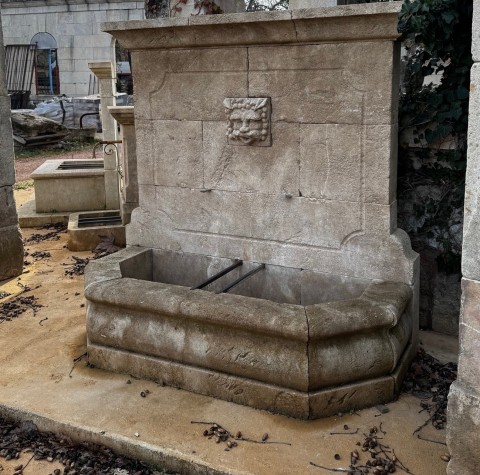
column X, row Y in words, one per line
column 87, row 238
column 7, row 170
column 333, row 401
column 333, row 24
column 68, row 190
column 463, row 429
column 320, row 199
column 401, row 263
column 270, row 218
column 251, row 343
column 8, row 212
column 272, row 170
column 331, row 167
column 30, row 125
column 179, row 162
column 469, row 357
column 105, row 74
column 471, row 226
column 296, row 4
column 175, row 84
column 11, row 245
column 129, row 184
column 11, row 252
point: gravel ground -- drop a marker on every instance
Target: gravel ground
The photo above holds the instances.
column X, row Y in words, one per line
column 25, row 166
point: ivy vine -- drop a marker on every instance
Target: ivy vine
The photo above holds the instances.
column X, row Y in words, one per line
column 433, row 119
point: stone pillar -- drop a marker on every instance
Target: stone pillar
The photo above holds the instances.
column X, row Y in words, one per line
column 106, row 79
column 463, row 429
column 128, row 160
column 11, row 247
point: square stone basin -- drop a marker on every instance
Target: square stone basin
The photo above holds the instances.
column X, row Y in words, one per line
column 287, row 340
column 69, row 185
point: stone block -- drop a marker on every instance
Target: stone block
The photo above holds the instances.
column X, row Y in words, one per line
column 179, row 160
column 8, row 211
column 296, row 4
column 476, row 33
column 463, row 434
column 353, row 396
column 469, row 356
column 470, row 309
column 471, row 227
column 68, row 190
column 307, row 96
column 321, row 287
column 273, row 218
column 87, row 238
column 331, row 167
column 380, row 162
column 3, row 86
column 11, row 252
column 388, row 258
column 7, row 168
column 171, row 81
column 272, row 170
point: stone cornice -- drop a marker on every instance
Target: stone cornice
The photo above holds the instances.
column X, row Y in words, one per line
column 47, row 3
column 348, row 23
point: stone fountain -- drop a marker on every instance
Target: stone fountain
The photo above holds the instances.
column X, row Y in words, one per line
column 263, row 264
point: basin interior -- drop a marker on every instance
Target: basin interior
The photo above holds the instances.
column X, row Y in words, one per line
column 276, row 283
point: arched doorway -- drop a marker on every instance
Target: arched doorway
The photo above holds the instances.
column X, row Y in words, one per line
column 46, row 64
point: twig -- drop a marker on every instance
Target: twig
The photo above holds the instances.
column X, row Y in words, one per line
column 381, row 430
column 344, row 433
column 420, row 427
column 29, row 460
column 253, row 441
column 430, row 440
column 42, row 320
column 334, row 469
column 75, row 361
column 400, row 464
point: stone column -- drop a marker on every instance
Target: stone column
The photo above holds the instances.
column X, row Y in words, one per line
column 106, row 79
column 128, row 160
column 463, row 430
column 11, row 247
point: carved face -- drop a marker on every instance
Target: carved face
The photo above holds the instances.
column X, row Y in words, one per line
column 248, row 121
column 247, row 125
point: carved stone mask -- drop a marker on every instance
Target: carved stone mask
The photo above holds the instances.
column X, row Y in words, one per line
column 248, row 120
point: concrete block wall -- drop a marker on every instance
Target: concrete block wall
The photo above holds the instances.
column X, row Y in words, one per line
column 75, row 25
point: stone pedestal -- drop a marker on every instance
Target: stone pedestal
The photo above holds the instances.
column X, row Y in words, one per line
column 128, row 160
column 463, row 430
column 106, row 78
column 11, row 247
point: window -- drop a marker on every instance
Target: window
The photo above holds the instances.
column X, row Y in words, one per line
column 47, row 79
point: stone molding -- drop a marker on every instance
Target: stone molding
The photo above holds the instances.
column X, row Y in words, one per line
column 103, row 70
column 347, row 23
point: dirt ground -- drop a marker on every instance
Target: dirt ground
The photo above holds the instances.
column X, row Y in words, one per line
column 25, row 166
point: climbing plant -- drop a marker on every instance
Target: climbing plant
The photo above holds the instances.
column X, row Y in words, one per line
column 433, row 120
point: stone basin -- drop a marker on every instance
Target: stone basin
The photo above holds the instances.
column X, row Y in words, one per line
column 292, row 353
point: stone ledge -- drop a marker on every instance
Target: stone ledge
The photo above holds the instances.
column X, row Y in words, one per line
column 348, row 23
